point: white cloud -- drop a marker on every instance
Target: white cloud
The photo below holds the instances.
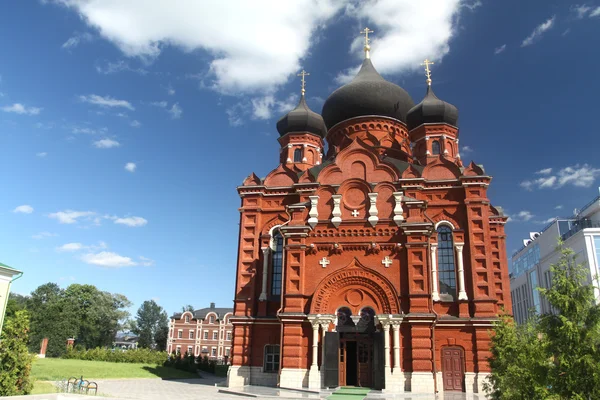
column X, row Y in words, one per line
column 24, row 209
column 108, row 259
column 576, row 175
column 170, row 90
column 263, row 107
column 176, row 111
column 69, row 247
column 595, row 12
column 521, row 216
column 161, row 104
column 106, row 143
column 581, row 10
column 70, row 216
column 130, row 167
column 466, row 149
column 19, row 108
column 235, row 114
column 558, row 207
column 131, row 221
column 500, row 49
column 77, row 39
column 43, row 235
column 106, row 101
column 146, row 262
column 135, row 123
column 41, row 154
column 109, row 67
column 547, row 221
column 89, row 131
column 538, row 32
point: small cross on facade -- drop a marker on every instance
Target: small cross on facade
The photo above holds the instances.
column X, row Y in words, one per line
column 387, row 261
column 355, row 213
column 324, row 262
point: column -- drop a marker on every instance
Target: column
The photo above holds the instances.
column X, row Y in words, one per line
column 324, row 330
column 462, row 294
column 396, row 329
column 263, row 294
column 434, row 278
column 314, row 377
column 386, row 344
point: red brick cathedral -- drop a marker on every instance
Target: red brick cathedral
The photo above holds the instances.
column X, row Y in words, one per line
column 378, row 263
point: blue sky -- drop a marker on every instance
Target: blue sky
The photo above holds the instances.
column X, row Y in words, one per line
column 127, row 125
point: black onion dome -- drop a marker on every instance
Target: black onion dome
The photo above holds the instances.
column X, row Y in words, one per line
column 302, row 119
column 432, row 110
column 367, row 94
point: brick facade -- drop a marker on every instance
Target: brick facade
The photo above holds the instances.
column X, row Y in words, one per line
column 207, row 332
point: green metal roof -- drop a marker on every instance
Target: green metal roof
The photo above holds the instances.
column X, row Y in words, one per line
column 7, row 267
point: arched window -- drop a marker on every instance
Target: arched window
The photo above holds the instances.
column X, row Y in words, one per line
column 298, row 155
column 435, row 147
column 446, row 270
column 276, row 264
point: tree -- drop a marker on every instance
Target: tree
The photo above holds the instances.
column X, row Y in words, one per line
column 161, row 336
column 189, row 307
column 15, row 361
column 573, row 333
column 557, row 355
column 151, row 321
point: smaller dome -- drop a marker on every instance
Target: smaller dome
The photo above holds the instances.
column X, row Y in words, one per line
column 432, row 110
column 302, row 119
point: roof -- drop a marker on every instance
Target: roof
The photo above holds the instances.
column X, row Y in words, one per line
column 9, row 269
column 432, row 110
column 302, row 119
column 202, row 312
column 367, row 94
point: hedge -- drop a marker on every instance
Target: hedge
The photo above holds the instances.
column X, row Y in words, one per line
column 145, row 356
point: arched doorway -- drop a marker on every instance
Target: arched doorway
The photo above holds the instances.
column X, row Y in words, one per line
column 453, row 369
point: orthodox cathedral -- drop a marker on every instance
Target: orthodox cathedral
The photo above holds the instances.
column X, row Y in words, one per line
column 379, row 262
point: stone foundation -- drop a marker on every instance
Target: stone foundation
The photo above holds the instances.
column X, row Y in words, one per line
column 395, row 382
column 293, row 378
column 239, row 376
column 421, row 382
column 314, row 378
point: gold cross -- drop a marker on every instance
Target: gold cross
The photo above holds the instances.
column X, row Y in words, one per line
column 367, row 48
column 427, row 63
column 303, row 74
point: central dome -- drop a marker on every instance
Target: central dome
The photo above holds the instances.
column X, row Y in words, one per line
column 367, row 94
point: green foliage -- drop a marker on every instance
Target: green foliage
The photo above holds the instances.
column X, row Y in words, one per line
column 188, row 307
column 555, row 356
column 83, row 312
column 15, row 360
column 150, row 324
column 145, row 356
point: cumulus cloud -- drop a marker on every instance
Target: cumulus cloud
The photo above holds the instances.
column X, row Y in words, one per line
column 130, row 221
column 106, row 143
column 578, row 175
column 595, row 12
column 161, row 104
column 89, row 131
column 538, row 32
column 175, row 111
column 146, row 262
column 113, row 67
column 24, row 209
column 558, row 207
column 69, row 247
column 77, row 39
column 135, row 123
column 500, row 49
column 466, row 149
column 41, row 154
column 106, row 101
column 521, row 216
column 108, row 259
column 70, row 216
column 19, row 108
column 130, row 167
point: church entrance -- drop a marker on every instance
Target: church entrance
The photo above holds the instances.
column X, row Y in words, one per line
column 354, row 354
column 452, row 369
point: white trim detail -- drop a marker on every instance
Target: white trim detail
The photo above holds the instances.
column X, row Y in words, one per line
column 373, row 213
column 336, row 214
column 462, row 294
column 444, row 222
column 434, row 278
column 398, row 217
column 313, row 214
column 263, row 293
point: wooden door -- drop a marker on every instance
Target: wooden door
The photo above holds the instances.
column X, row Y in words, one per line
column 342, row 363
column 365, row 361
column 331, row 361
column 453, row 369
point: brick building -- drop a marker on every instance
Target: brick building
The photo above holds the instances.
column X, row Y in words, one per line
column 203, row 332
column 379, row 263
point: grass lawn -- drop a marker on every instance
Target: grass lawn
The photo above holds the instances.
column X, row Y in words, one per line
column 57, row 369
column 40, row 387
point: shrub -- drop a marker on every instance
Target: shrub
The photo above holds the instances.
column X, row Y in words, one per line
column 15, row 360
column 144, row 356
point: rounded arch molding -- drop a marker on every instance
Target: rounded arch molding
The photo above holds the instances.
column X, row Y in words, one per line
column 331, row 292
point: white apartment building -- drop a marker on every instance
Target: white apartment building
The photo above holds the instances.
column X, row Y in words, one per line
column 531, row 264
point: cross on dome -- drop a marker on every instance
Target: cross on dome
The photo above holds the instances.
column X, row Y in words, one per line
column 367, row 47
column 427, row 63
column 303, row 74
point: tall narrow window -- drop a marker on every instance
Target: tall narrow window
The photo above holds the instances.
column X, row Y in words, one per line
column 446, row 268
column 271, row 360
column 435, row 147
column 277, row 262
column 298, row 155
